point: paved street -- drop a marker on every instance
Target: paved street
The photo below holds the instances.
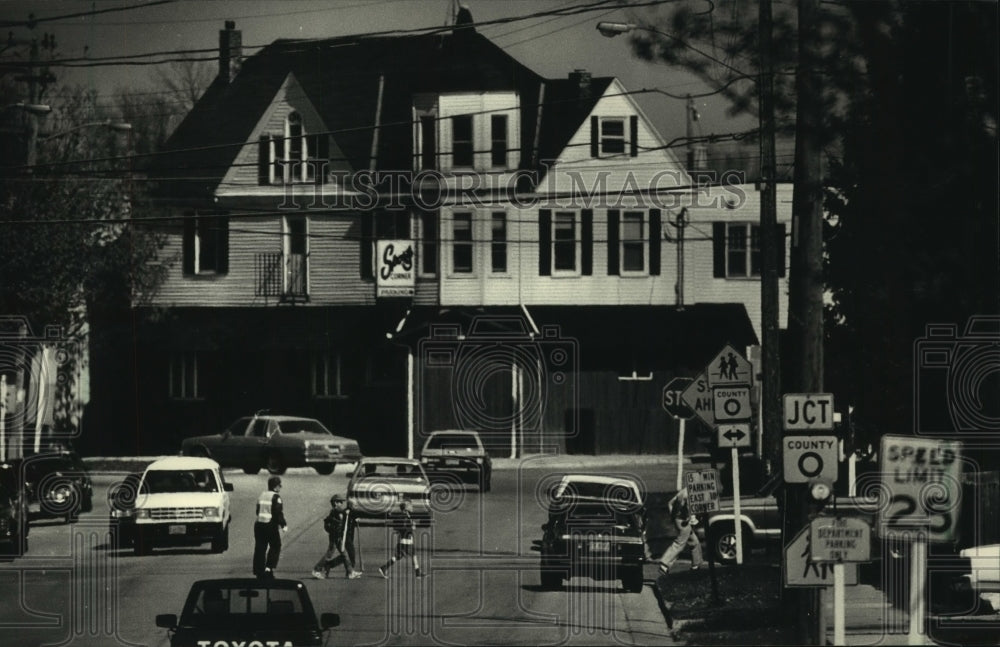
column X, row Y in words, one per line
column 483, row 584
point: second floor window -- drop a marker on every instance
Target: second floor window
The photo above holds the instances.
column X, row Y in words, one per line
column 461, row 251
column 564, row 241
column 183, row 376
column 742, row 250
column 633, row 245
column 296, row 249
column 206, row 244
column 428, row 253
column 461, row 141
column 498, row 242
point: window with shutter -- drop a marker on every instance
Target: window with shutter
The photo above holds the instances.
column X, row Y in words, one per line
column 206, row 244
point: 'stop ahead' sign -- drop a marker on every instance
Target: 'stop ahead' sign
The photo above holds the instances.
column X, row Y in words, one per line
column 729, row 368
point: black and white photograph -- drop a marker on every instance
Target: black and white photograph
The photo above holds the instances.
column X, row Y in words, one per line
column 499, row 322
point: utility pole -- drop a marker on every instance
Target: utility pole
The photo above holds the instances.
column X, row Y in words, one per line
column 805, row 321
column 769, row 248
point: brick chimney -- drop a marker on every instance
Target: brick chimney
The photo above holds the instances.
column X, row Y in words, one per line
column 230, row 52
column 580, row 79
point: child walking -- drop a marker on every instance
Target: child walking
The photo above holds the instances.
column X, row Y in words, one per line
column 404, row 543
column 340, row 526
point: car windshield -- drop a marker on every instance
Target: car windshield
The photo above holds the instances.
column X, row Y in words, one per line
column 452, row 441
column 234, row 606
column 392, row 470
column 302, row 427
column 193, row 480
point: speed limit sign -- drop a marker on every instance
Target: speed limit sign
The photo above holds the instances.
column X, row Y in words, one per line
column 922, row 477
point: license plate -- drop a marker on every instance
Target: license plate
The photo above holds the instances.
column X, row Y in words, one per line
column 600, row 546
column 451, row 461
column 178, row 529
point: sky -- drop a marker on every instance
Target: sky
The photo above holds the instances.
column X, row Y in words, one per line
column 551, row 46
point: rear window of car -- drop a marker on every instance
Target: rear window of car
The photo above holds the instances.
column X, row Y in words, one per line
column 302, row 426
column 598, row 512
column 193, row 480
column 396, row 470
column 225, row 606
column 614, row 491
column 452, row 441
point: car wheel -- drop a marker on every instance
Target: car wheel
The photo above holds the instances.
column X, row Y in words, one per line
column 632, row 579
column 251, row 470
column 220, row 543
column 723, row 543
column 274, row 463
column 325, row 468
column 552, row 578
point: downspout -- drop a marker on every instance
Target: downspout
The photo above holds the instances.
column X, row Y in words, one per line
column 538, row 126
column 378, row 123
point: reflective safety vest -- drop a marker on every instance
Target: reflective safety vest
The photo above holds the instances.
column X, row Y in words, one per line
column 264, row 506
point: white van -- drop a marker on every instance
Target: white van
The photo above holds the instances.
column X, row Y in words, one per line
column 182, row 500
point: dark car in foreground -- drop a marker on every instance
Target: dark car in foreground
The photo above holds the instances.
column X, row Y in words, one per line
column 58, row 483
column 594, row 533
column 14, row 524
column 247, row 611
column 458, row 454
column 275, row 443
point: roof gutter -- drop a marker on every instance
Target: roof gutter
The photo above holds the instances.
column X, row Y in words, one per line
column 378, row 122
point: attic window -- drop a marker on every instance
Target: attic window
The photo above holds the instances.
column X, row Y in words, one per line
column 612, row 136
column 292, row 156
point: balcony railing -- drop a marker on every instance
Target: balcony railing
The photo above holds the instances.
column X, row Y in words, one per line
column 283, row 276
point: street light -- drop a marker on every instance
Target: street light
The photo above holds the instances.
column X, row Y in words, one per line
column 37, row 109
column 116, row 126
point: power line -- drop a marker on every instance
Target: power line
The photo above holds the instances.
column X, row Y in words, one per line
column 32, row 21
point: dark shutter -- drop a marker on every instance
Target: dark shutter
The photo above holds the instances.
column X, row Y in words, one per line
column 222, row 244
column 614, row 265
column 779, row 241
column 402, row 224
column 279, row 160
column 595, row 136
column 587, row 243
column 719, row 250
column 367, row 227
column 263, row 159
column 320, row 145
column 655, row 238
column 544, row 242
column 188, row 245
column 633, row 130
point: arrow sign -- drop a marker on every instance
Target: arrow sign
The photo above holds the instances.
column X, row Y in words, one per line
column 734, row 434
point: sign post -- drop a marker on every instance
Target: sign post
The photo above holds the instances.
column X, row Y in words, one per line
column 673, row 403
column 923, row 479
column 839, row 540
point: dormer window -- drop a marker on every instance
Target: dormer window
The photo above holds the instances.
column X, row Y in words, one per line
column 294, row 156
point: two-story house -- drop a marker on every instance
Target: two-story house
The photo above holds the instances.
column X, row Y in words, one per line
column 403, row 234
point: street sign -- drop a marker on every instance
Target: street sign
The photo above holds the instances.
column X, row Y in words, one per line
column 922, row 477
column 733, row 434
column 731, row 403
column 800, row 570
column 809, row 457
column 808, row 411
column 703, row 490
column 840, row 539
column 699, row 398
column 729, row 368
column 673, row 402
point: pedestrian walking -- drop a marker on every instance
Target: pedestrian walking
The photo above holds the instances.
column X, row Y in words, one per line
column 267, row 529
column 686, row 536
column 340, row 526
column 404, row 542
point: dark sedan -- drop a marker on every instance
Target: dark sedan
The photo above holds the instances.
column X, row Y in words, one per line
column 58, row 483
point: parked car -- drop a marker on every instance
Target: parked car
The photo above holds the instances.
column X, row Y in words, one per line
column 14, row 523
column 460, row 454
column 122, row 499
column 185, row 500
column 275, row 443
column 595, row 529
column 761, row 519
column 379, row 484
column 984, row 567
column 245, row 611
column 58, row 484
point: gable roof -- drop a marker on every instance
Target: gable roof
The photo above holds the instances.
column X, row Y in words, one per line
column 564, row 109
column 341, row 77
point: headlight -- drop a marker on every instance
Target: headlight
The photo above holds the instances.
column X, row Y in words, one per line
column 479, row 461
column 212, row 513
column 142, row 513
